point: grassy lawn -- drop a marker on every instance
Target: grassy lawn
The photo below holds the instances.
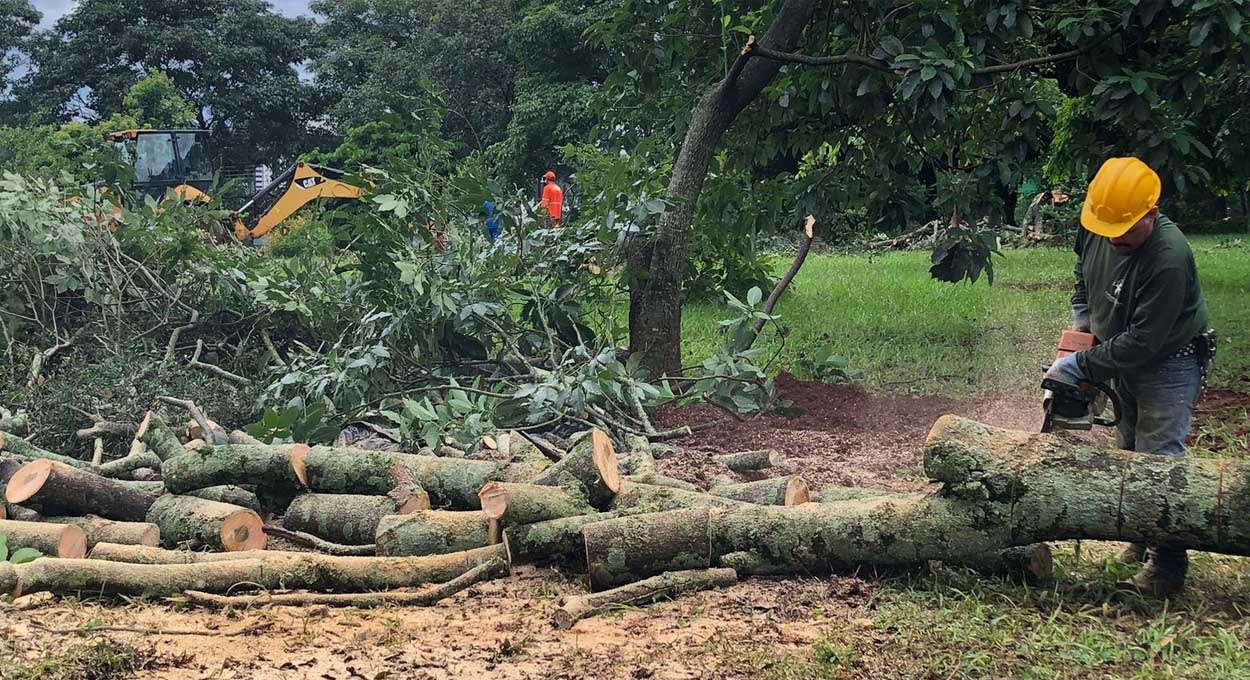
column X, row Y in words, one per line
column 910, row 333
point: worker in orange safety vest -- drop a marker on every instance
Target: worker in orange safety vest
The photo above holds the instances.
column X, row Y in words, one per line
column 553, row 198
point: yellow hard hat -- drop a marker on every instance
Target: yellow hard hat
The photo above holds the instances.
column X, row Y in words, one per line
column 1123, row 191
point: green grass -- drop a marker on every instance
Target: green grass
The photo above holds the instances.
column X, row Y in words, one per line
column 908, row 332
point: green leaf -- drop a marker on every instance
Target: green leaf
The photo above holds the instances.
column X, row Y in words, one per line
column 24, row 555
column 754, row 296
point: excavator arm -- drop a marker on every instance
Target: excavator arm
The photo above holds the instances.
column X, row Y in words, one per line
column 298, row 185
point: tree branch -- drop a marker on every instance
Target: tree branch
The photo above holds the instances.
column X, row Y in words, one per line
column 196, row 414
column 214, row 370
column 784, row 283
column 809, row 60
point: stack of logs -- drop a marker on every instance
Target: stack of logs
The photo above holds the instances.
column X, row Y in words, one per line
column 369, row 521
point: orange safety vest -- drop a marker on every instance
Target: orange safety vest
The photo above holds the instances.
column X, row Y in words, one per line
column 553, row 200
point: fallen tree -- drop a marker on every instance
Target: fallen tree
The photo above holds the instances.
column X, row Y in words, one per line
column 51, row 487
column 449, row 482
column 432, row 532
column 100, row 530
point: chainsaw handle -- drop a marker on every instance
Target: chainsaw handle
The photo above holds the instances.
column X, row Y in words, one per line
column 1115, row 404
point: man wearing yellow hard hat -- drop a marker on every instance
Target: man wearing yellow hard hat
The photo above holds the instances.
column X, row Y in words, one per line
column 1137, row 291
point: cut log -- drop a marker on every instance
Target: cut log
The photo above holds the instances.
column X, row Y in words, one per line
column 13, row 446
column 525, row 460
column 220, row 526
column 430, row 596
column 320, row 544
column 152, row 488
column 667, row 585
column 746, row 461
column 590, row 463
column 640, row 498
column 229, row 493
column 159, row 437
column 53, row 540
column 21, row 514
column 264, row 569
column 53, row 488
column 433, row 532
column 790, row 490
column 139, row 457
column 14, row 421
column 553, row 542
column 834, row 493
column 660, row 480
column 628, row 549
column 449, row 482
column 267, row 466
column 100, row 530
column 350, row 519
column 514, row 504
column 241, row 437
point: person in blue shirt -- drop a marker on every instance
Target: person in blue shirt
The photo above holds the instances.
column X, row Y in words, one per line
column 492, row 221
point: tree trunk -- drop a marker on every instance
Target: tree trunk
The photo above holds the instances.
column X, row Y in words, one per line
column 656, row 262
column 590, row 465
column 555, row 541
column 514, row 504
column 350, row 519
column 790, row 490
column 100, row 530
column 493, row 569
column 434, row 532
column 628, row 549
column 229, row 493
column 53, row 540
column 269, row 467
column 270, row 570
column 159, row 437
column 52, row 488
column 220, row 526
column 450, row 482
column 745, row 461
column 834, row 493
column 642, row 498
column 666, row 585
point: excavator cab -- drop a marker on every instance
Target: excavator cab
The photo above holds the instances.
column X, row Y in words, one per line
column 167, row 159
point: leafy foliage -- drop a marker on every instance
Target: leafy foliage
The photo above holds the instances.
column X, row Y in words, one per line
column 18, row 556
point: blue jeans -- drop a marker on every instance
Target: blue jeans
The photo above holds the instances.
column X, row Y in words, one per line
column 1157, row 405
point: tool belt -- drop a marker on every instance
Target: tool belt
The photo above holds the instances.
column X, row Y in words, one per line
column 1202, row 348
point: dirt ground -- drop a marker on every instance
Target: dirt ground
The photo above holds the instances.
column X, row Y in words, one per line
column 502, row 629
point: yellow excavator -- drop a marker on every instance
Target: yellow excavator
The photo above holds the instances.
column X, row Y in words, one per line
column 178, row 160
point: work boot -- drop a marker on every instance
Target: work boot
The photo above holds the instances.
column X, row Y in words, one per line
column 1164, row 573
column 1135, row 553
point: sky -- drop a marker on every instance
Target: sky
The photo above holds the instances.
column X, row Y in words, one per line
column 55, row 9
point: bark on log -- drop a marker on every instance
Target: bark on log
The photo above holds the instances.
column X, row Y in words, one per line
column 834, row 493
column 270, row 467
column 229, row 493
column 745, row 461
column 433, row 532
column 220, row 526
column 449, row 482
column 660, row 480
column 14, row 421
column 636, row 498
column 13, row 446
column 350, row 519
column 100, row 530
column 241, row 437
column 264, row 569
column 628, row 549
column 790, row 490
column 159, row 437
column 20, row 514
column 139, row 457
column 553, row 542
column 514, row 504
column 53, row 488
column 493, row 569
column 666, row 585
column 54, row 540
column 590, row 463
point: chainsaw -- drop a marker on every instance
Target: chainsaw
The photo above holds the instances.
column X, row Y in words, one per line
column 1076, row 407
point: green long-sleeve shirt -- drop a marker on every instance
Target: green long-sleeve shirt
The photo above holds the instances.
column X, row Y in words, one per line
column 1143, row 306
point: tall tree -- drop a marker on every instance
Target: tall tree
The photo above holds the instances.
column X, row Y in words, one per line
column 234, row 60
column 940, row 89
column 17, row 19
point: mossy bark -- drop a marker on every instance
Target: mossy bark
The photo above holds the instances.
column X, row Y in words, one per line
column 229, row 493
column 745, row 461
column 268, row 467
column 627, row 549
column 666, row 585
column 52, row 540
column 270, row 570
column 136, row 459
column 660, row 480
column 433, row 532
column 590, row 465
column 53, row 488
column 159, row 437
column 450, row 483
column 13, row 446
column 833, row 493
column 100, row 530
column 791, row 490
column 220, row 526
column 553, row 542
column 350, row 519
column 514, row 504
column 638, row 498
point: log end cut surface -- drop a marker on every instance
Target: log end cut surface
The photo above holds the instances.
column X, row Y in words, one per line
column 243, row 530
column 604, row 456
column 494, row 498
column 796, row 492
column 73, row 543
column 299, row 464
column 28, row 480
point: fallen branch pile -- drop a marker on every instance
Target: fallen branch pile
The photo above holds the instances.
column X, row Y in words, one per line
column 397, row 520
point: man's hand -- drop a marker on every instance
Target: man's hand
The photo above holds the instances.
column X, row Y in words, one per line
column 1067, row 371
column 1080, row 318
